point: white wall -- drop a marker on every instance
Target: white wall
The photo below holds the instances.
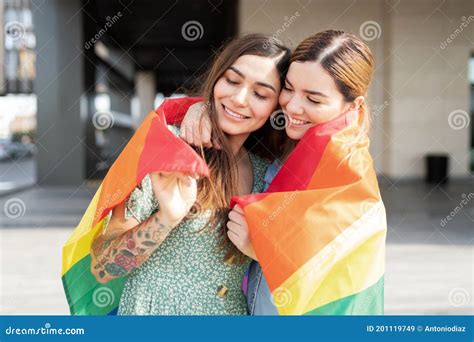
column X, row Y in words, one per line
column 427, row 83
column 416, row 84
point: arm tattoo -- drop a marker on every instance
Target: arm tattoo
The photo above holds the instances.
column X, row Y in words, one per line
column 115, row 256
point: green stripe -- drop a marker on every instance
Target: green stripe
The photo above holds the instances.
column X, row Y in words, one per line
column 85, row 295
column 367, row 302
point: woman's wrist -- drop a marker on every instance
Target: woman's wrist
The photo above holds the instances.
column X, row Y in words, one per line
column 167, row 220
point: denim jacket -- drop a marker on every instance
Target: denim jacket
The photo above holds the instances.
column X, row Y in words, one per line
column 259, row 298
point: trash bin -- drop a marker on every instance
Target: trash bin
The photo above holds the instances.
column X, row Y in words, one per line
column 437, row 168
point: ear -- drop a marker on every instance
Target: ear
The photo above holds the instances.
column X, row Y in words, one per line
column 357, row 103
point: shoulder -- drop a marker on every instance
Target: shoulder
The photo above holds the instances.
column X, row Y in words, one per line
column 256, row 159
column 259, row 164
column 272, row 170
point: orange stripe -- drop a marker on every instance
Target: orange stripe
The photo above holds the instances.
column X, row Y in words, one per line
column 304, row 222
column 122, row 176
column 342, row 164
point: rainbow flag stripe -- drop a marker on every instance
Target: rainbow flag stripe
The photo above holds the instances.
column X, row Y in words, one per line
column 152, row 148
column 319, row 230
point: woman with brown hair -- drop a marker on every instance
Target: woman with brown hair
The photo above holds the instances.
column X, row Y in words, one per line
column 180, row 263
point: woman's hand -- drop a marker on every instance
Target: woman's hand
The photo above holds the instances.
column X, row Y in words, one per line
column 238, row 232
column 176, row 193
column 191, row 132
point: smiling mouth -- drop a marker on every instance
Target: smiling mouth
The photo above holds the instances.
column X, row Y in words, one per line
column 234, row 114
column 296, row 122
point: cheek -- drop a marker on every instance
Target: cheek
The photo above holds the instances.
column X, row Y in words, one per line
column 221, row 89
column 323, row 112
column 315, row 114
column 263, row 109
column 284, row 98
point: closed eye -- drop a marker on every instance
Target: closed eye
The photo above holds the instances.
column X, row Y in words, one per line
column 313, row 101
column 261, row 97
column 228, row 80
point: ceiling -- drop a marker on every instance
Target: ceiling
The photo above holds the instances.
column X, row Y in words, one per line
column 151, row 34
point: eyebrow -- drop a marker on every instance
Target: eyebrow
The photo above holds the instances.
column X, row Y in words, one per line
column 263, row 84
column 312, row 92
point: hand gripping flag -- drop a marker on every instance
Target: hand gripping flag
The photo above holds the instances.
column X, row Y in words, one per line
column 152, row 148
column 319, row 230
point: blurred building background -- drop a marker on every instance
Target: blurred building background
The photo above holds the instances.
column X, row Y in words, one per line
column 110, row 62
column 77, row 77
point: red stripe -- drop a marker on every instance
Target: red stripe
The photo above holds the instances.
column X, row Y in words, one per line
column 164, row 152
column 175, row 109
column 161, row 151
column 299, row 168
column 297, row 171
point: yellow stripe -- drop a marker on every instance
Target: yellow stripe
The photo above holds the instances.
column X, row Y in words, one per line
column 78, row 244
column 354, row 261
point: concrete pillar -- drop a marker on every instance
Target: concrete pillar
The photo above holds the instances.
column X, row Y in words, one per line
column 145, row 90
column 59, row 87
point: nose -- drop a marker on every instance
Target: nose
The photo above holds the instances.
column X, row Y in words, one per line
column 239, row 98
column 294, row 107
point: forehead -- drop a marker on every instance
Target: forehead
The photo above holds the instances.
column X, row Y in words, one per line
column 311, row 76
column 257, row 68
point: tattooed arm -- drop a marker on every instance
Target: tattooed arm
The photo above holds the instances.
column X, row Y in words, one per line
column 116, row 254
column 127, row 244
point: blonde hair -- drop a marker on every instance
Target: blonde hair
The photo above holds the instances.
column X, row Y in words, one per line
column 347, row 59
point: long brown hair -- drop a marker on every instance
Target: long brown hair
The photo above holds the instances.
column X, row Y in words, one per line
column 347, row 59
column 216, row 191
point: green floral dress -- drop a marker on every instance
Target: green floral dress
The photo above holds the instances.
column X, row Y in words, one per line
column 187, row 274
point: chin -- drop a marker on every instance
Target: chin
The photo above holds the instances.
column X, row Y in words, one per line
column 229, row 127
column 293, row 134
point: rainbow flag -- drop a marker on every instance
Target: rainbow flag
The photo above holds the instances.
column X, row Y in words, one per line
column 319, row 230
column 152, row 148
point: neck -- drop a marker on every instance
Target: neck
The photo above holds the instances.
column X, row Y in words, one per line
column 289, row 147
column 237, row 142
